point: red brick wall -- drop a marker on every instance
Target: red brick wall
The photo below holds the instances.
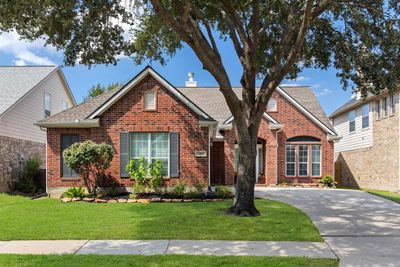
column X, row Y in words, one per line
column 128, row 114
column 295, row 124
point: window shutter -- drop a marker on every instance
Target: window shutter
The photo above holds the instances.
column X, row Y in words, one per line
column 174, row 154
column 123, row 154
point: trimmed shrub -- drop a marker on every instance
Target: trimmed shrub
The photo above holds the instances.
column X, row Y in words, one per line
column 75, row 192
column 90, row 160
column 223, row 192
column 138, row 170
column 179, row 188
column 327, row 180
column 30, row 170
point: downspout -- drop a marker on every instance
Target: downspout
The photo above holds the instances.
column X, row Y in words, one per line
column 209, row 156
column 276, row 158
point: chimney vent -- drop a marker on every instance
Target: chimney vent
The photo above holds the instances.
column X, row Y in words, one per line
column 191, row 82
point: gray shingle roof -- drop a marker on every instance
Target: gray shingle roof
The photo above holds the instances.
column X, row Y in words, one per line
column 82, row 111
column 352, row 103
column 209, row 99
column 16, row 81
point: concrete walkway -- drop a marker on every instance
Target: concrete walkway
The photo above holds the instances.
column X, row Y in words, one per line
column 361, row 229
column 153, row 247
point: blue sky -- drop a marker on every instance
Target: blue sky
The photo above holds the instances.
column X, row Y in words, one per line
column 80, row 78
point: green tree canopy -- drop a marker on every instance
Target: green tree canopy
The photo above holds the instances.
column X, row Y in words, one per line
column 273, row 40
column 98, row 89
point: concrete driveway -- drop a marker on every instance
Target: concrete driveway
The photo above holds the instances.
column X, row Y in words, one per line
column 361, row 229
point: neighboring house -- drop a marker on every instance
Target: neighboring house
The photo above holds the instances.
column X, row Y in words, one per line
column 192, row 131
column 27, row 94
column 367, row 155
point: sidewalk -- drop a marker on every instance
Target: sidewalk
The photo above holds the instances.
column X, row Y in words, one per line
column 152, row 247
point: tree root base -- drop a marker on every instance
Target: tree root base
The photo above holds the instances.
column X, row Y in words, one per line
column 243, row 212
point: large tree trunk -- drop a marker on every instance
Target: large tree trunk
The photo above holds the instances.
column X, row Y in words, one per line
column 243, row 204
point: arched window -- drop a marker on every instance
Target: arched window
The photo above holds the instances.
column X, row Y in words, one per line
column 272, row 105
column 303, row 156
column 303, row 139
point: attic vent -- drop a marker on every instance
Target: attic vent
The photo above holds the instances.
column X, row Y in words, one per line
column 150, row 100
column 191, row 82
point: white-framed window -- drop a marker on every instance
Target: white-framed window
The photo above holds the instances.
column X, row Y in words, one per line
column 316, row 160
column 150, row 146
column 272, row 106
column 236, row 157
column 47, row 105
column 378, row 108
column 303, row 160
column 385, row 107
column 365, row 116
column 352, row 121
column 393, row 104
column 64, row 105
column 290, row 160
column 150, row 100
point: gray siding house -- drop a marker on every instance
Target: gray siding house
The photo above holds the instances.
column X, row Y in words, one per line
column 27, row 94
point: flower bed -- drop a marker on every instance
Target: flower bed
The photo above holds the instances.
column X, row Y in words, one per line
column 140, row 200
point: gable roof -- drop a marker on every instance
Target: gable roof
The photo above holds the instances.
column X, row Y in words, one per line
column 127, row 87
column 352, row 103
column 207, row 102
column 17, row 81
column 211, row 100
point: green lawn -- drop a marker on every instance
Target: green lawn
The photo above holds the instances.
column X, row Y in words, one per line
column 22, row 218
column 164, row 260
column 385, row 194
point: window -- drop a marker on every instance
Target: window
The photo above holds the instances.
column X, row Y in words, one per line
column 385, row 107
column 47, row 105
column 150, row 100
column 352, row 121
column 66, row 141
column 378, row 108
column 393, row 103
column 64, row 105
column 272, row 105
column 303, row 160
column 151, row 146
column 316, row 160
column 290, row 160
column 365, row 116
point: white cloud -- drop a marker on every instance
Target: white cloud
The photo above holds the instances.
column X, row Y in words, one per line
column 324, row 92
column 289, row 84
column 26, row 52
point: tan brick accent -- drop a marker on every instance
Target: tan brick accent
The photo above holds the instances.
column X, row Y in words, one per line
column 377, row 166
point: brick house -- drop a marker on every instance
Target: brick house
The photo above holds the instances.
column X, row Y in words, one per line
column 368, row 155
column 192, row 131
column 27, row 94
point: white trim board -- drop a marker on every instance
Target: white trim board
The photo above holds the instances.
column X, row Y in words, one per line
column 136, row 80
column 265, row 115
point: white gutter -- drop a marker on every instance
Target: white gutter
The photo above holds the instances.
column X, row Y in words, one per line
column 333, row 138
column 275, row 126
column 93, row 123
column 209, row 156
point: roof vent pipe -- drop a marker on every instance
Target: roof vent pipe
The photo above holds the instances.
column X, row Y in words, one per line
column 191, row 82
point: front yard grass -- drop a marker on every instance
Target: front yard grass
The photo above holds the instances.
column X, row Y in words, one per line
column 164, row 260
column 22, row 218
column 393, row 196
